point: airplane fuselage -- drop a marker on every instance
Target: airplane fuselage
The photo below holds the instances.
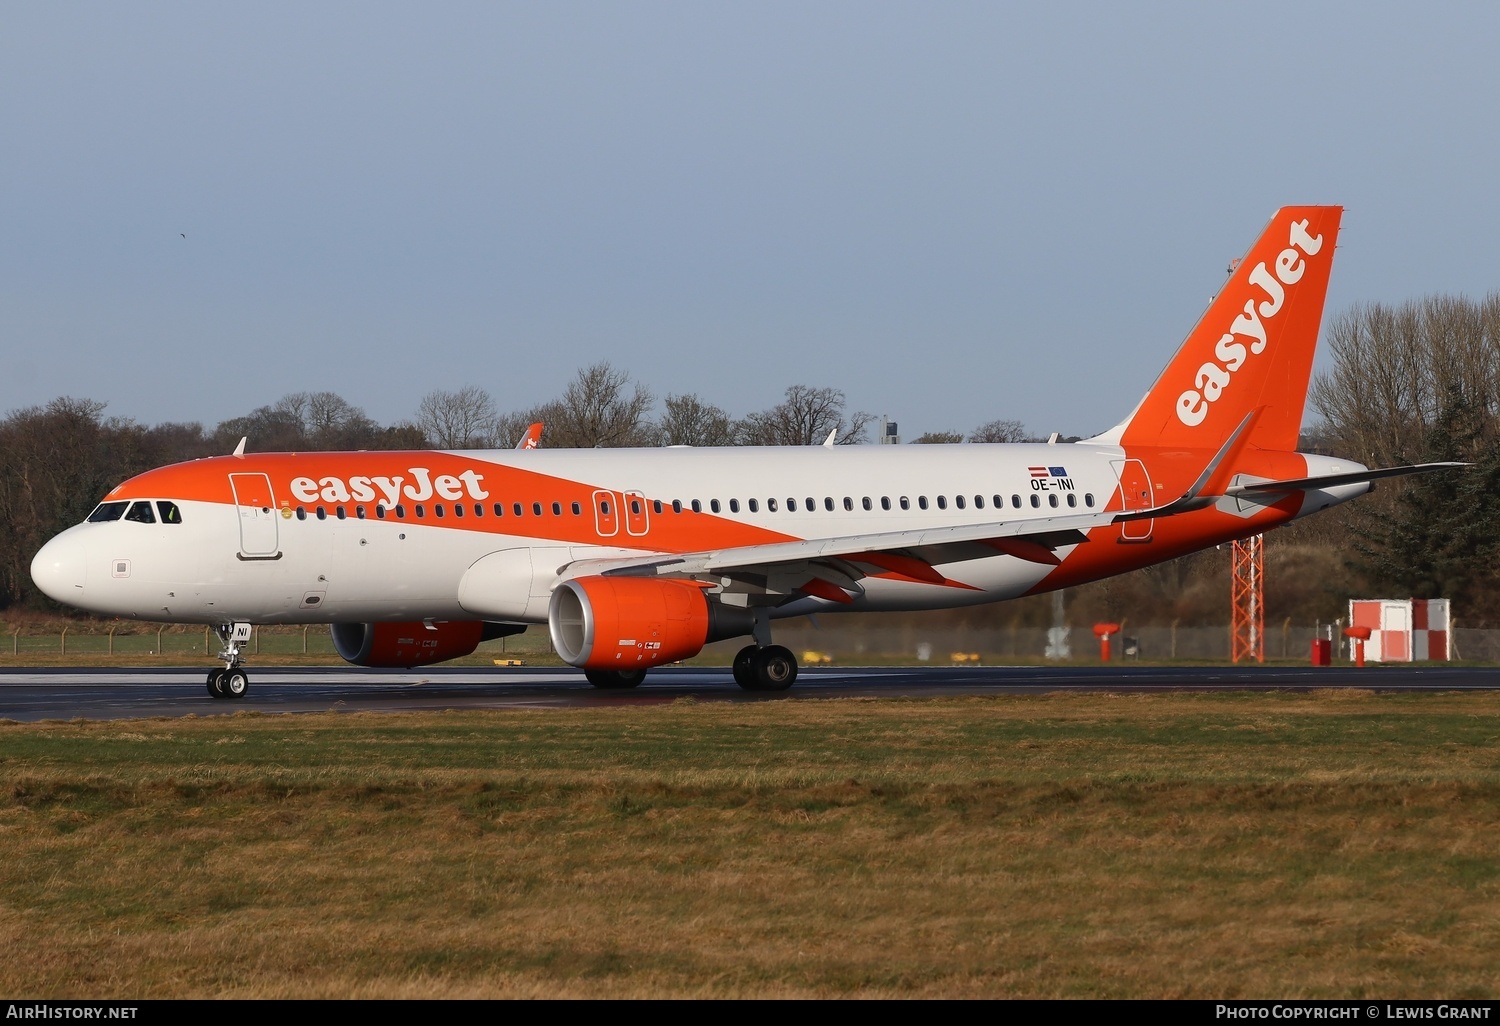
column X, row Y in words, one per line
column 318, row 538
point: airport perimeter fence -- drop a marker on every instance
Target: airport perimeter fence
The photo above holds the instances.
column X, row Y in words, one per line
column 813, row 642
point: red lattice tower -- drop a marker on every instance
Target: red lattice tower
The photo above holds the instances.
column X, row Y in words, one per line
column 1247, row 601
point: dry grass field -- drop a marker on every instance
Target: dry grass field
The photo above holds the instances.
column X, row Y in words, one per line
column 1238, row 845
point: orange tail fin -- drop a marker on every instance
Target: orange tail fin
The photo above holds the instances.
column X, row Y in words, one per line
column 1253, row 347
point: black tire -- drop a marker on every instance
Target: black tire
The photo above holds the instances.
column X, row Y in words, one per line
column 216, row 684
column 615, row 680
column 775, row 668
column 744, row 668
column 235, row 683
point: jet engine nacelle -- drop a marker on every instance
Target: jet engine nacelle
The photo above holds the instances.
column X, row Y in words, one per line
column 414, row 643
column 630, row 623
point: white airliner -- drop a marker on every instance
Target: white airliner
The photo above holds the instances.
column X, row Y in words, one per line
column 637, row 557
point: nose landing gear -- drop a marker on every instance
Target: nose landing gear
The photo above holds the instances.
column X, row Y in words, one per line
column 232, row 681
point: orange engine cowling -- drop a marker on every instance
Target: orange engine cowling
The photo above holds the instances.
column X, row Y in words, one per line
column 630, row 623
column 414, row 643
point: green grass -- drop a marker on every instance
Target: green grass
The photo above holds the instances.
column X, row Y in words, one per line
column 1111, row 846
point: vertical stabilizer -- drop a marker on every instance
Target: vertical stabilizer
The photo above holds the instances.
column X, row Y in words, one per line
column 1252, row 349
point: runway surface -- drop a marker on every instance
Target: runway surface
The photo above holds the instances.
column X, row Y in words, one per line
column 29, row 695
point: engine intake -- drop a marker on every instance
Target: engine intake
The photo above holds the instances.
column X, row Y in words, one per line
column 627, row 623
column 413, row 643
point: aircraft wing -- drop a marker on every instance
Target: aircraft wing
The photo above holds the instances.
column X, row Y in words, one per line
column 832, row 567
column 532, row 438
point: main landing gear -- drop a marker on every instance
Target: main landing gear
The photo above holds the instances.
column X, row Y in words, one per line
column 764, row 666
column 768, row 668
column 232, row 681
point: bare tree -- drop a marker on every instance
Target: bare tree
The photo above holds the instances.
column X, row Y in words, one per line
column 56, row 462
column 806, row 417
column 1393, row 366
column 689, row 420
column 999, row 431
column 464, row 419
column 599, row 409
column 938, row 438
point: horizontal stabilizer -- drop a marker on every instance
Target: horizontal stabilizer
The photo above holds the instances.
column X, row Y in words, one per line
column 1307, row 484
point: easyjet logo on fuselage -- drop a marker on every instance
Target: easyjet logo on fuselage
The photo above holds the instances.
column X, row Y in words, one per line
column 418, row 487
column 1215, row 375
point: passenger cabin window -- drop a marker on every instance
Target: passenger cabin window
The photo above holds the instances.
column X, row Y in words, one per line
column 517, row 508
column 1035, row 502
column 170, row 514
column 359, row 511
column 1052, row 500
column 958, row 500
column 458, row 509
column 301, row 512
column 905, row 502
column 322, row 513
column 1072, row 500
column 400, row 511
column 828, row 503
column 754, row 506
column 107, row 511
column 942, row 502
column 697, row 506
column 420, row 511
column 140, row 513
column 812, row 504
column 713, row 504
column 479, row 509
column 866, row 503
column 1088, row 499
column 656, row 506
column 557, row 509
column 1015, row 500
column 848, row 504
column 379, row 511
column 771, row 505
column 676, row 505
column 578, row 510
column 734, row 505
column 791, row 505
column 921, row 502
column 536, row 509
column 437, row 510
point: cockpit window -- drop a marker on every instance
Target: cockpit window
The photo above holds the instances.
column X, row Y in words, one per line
column 170, row 514
column 140, row 512
column 107, row 511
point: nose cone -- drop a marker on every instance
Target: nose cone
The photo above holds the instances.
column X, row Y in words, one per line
column 58, row 569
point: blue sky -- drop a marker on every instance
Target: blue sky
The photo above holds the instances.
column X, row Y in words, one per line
column 954, row 212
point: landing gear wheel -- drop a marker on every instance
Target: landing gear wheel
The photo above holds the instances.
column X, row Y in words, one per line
column 235, row 683
column 775, row 668
column 615, row 680
column 744, row 668
column 216, row 683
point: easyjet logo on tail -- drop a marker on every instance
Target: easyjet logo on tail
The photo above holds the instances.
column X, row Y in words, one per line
column 1250, row 326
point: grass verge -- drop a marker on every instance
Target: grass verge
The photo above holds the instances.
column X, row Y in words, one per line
column 1245, row 845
